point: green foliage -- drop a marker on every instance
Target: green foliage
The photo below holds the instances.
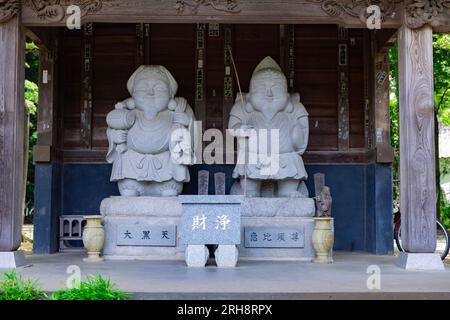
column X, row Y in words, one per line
column 95, row 288
column 444, row 166
column 32, row 100
column 31, row 61
column 445, row 210
column 441, row 55
column 395, row 137
column 14, row 287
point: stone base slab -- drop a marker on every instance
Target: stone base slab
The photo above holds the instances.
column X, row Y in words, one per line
column 256, row 212
column 171, row 206
column 12, row 260
column 419, row 261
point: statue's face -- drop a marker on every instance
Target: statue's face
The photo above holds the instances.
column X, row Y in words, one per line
column 151, row 95
column 268, row 93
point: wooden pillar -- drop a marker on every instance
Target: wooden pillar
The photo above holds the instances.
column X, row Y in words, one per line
column 343, row 92
column 384, row 150
column 86, row 91
column 417, row 148
column 12, row 133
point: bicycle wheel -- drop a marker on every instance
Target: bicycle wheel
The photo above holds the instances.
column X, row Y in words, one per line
column 442, row 246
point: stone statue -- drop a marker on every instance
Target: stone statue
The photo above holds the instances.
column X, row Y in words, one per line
column 268, row 106
column 149, row 136
column 324, row 202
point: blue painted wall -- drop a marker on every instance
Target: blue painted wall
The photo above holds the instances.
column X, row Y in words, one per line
column 47, row 207
column 362, row 200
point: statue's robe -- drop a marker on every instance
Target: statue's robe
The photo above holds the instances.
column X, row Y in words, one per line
column 290, row 161
column 146, row 155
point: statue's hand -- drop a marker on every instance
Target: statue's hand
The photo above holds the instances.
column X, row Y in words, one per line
column 181, row 119
column 126, row 104
column 120, row 105
column 120, row 136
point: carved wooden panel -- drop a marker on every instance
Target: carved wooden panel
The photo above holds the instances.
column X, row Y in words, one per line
column 200, row 11
column 9, row 9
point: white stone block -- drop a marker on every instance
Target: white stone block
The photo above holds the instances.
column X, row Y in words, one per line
column 197, row 256
column 419, row 261
column 226, row 256
column 13, row 259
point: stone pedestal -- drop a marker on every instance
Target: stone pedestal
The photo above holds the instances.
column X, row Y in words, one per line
column 157, row 214
column 12, row 260
column 419, row 261
column 277, row 216
column 196, row 256
column 137, row 215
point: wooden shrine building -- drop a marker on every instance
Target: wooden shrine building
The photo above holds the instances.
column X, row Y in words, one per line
column 328, row 49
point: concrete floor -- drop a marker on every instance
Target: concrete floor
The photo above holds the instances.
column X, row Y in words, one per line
column 346, row 278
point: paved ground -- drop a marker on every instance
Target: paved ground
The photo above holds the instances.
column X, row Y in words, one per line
column 346, row 278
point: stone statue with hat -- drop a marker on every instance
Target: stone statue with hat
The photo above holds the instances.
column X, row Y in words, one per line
column 280, row 122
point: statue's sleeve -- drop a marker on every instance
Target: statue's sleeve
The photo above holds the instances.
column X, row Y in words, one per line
column 112, row 153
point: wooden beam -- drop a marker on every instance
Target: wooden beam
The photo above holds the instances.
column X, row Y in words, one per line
column 310, row 157
column 47, row 123
column 12, row 133
column 291, row 57
column 247, row 11
column 417, row 148
column 368, row 90
column 46, row 95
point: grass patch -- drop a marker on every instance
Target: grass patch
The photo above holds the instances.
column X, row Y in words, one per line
column 95, row 288
column 14, row 287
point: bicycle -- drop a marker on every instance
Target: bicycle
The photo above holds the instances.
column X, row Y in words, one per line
column 443, row 252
